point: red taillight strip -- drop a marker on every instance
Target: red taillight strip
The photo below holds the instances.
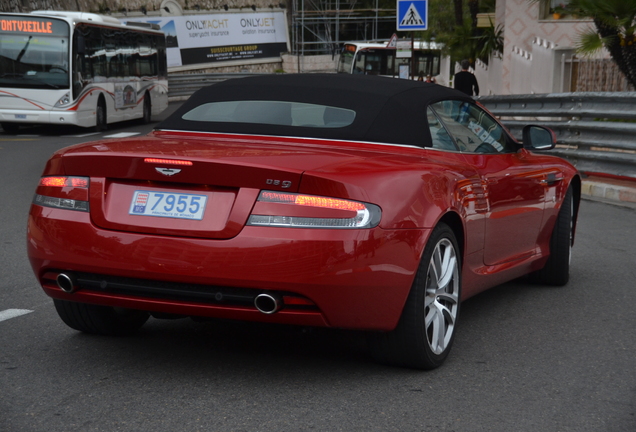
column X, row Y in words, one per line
column 168, row 161
column 333, row 203
column 311, row 200
column 64, row 181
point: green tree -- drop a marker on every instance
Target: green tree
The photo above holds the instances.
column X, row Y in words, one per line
column 615, row 22
column 491, row 42
column 455, row 25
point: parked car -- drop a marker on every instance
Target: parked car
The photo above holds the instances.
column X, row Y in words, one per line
column 342, row 201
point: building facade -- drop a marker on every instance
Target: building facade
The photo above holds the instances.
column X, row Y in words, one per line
column 539, row 53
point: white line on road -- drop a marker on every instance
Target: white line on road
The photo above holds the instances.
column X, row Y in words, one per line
column 122, row 135
column 12, row 313
column 80, row 135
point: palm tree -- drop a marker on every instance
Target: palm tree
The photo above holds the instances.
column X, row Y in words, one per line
column 615, row 22
column 491, row 42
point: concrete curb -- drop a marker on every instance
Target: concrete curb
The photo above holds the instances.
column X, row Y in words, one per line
column 610, row 190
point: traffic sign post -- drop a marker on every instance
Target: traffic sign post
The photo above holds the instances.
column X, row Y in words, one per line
column 412, row 15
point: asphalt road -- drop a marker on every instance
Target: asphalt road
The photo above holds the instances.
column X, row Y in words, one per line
column 526, row 357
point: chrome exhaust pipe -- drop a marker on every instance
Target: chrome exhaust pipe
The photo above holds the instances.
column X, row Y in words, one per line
column 66, row 282
column 268, row 303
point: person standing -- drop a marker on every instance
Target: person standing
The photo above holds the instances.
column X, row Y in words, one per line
column 465, row 81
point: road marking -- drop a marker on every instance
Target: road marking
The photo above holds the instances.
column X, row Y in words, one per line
column 122, row 135
column 12, row 313
column 80, row 135
column 18, row 139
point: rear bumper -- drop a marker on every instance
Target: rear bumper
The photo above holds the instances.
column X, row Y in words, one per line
column 357, row 279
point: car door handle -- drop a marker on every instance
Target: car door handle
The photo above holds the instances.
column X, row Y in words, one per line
column 552, row 178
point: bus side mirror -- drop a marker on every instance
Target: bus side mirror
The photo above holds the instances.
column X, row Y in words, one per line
column 80, row 45
column 538, row 138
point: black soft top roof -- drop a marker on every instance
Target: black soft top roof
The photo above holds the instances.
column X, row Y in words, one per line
column 388, row 110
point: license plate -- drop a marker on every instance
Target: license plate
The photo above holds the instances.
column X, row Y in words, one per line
column 168, row 204
column 20, row 116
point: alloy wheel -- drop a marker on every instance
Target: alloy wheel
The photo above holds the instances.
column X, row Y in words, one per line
column 442, row 296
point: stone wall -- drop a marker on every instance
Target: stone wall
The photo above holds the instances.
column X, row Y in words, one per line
column 308, row 64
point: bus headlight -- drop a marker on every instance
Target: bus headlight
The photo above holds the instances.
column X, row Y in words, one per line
column 64, row 100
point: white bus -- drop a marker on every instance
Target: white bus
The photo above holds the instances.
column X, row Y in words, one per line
column 79, row 68
column 373, row 58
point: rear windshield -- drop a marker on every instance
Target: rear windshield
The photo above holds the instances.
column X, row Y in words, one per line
column 280, row 113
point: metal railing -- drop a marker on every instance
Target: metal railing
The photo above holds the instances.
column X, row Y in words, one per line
column 595, row 131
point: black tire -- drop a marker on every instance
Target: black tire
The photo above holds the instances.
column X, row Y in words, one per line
column 100, row 320
column 147, row 115
column 556, row 271
column 11, row 128
column 431, row 309
column 101, row 117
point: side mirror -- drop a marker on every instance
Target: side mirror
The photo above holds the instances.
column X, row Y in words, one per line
column 80, row 44
column 538, row 138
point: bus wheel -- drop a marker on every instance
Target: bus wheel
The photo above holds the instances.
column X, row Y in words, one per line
column 147, row 118
column 100, row 116
column 11, row 128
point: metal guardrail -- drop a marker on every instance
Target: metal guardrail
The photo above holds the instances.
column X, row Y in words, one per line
column 595, row 131
column 182, row 86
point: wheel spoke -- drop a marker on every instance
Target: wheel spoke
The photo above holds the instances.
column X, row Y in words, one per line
column 437, row 328
column 430, row 299
column 434, row 270
column 448, row 315
column 450, row 264
column 438, row 342
column 448, row 298
column 430, row 316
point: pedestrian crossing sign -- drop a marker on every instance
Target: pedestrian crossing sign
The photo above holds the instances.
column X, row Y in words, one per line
column 412, row 14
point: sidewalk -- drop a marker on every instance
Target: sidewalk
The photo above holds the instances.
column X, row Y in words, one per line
column 609, row 189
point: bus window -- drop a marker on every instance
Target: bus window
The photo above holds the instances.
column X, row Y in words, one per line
column 423, row 65
column 372, row 64
column 436, row 65
column 358, row 66
column 390, row 65
column 345, row 64
column 37, row 58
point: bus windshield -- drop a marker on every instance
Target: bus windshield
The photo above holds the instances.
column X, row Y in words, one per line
column 34, row 52
column 346, row 59
column 380, row 60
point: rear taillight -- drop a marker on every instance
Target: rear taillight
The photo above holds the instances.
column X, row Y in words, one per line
column 64, row 192
column 282, row 209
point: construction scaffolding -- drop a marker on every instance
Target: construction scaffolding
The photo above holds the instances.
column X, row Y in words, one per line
column 321, row 26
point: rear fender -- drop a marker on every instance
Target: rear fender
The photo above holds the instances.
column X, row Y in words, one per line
column 409, row 199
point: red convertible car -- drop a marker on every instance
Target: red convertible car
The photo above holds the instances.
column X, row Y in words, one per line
column 340, row 201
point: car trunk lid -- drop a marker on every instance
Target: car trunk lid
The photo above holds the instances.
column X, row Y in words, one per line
column 194, row 188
